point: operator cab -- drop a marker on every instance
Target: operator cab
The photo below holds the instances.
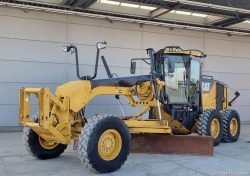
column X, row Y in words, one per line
column 181, row 71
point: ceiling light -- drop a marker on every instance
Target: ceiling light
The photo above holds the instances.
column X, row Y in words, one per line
column 172, row 11
column 147, row 7
column 182, row 12
column 199, row 15
column 110, row 2
column 129, row 5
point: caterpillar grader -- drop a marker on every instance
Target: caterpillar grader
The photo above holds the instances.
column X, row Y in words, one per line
column 175, row 98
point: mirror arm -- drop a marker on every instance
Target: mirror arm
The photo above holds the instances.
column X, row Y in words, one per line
column 96, row 65
column 74, row 48
column 77, row 63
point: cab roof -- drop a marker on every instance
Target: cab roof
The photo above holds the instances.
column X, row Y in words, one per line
column 176, row 50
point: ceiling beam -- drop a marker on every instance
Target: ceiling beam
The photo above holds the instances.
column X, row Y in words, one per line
column 187, row 5
column 73, row 4
column 66, row 2
column 161, row 11
column 158, row 12
column 228, row 22
column 77, row 3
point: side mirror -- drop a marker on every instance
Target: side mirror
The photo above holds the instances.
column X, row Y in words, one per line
column 171, row 67
column 101, row 45
column 132, row 67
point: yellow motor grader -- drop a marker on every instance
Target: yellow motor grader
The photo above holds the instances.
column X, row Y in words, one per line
column 175, row 97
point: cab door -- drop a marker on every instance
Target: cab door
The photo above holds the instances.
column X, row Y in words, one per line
column 176, row 80
column 195, row 82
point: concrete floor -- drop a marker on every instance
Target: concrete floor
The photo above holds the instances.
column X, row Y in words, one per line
column 229, row 159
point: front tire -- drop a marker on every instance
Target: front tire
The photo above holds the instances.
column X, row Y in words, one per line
column 39, row 147
column 104, row 143
column 231, row 125
column 210, row 124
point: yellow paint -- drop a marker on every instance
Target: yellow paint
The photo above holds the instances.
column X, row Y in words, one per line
column 226, row 97
column 233, row 126
column 59, row 113
column 148, row 126
column 179, row 51
column 49, row 145
column 77, row 91
column 209, row 98
column 215, row 128
column 109, row 144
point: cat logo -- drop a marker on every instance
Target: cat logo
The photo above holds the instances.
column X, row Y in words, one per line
column 205, row 86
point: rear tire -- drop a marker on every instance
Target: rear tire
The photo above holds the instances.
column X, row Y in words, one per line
column 210, row 124
column 34, row 146
column 231, row 125
column 104, row 143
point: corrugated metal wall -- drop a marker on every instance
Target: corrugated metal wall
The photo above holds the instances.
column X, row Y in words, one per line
column 31, row 55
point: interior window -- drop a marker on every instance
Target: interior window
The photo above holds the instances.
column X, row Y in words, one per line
column 194, row 72
column 194, row 79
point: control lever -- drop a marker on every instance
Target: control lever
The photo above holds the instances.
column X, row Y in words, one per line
column 117, row 97
column 106, row 67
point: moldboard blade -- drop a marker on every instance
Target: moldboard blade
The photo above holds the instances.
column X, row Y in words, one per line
column 172, row 144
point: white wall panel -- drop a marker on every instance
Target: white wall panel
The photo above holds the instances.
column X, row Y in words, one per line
column 16, row 71
column 226, row 64
column 159, row 40
column 111, row 109
column 244, row 112
column 114, row 56
column 7, row 11
column 26, row 50
column 115, row 37
column 89, row 70
column 9, row 92
column 178, row 32
column 218, row 36
column 9, row 115
column 244, row 99
column 102, row 23
column 235, row 81
column 31, row 55
column 227, row 48
column 33, row 29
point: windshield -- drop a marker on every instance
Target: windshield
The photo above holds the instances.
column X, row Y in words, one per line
column 182, row 76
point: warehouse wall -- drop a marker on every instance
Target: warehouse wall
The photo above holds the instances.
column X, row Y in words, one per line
column 31, row 55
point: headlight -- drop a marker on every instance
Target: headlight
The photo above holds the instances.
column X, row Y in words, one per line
column 101, row 45
column 66, row 48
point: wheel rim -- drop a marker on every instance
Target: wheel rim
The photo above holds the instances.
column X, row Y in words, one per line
column 233, row 126
column 109, row 144
column 49, row 145
column 215, row 128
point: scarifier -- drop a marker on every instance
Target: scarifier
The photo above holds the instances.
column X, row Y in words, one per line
column 176, row 96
